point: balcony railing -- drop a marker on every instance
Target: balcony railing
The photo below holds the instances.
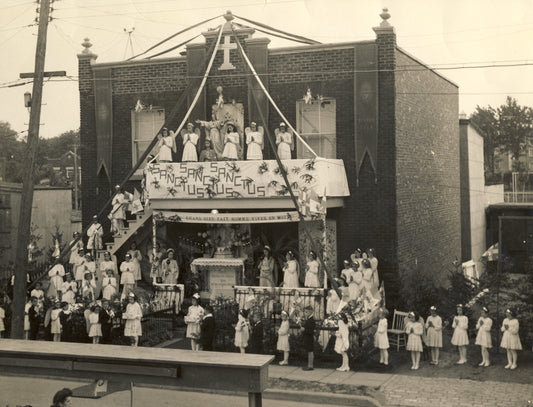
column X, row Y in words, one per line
column 519, row 197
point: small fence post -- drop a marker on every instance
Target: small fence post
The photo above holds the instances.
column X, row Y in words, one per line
column 174, row 317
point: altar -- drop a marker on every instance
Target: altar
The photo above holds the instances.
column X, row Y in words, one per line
column 219, row 276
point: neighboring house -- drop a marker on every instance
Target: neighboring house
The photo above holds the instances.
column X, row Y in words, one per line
column 393, row 135
column 476, row 197
column 52, row 206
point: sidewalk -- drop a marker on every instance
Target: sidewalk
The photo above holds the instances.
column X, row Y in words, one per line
column 405, row 390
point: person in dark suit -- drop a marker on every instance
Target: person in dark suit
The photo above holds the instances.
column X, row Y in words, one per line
column 207, row 329
column 65, row 317
column 35, row 316
column 106, row 319
column 308, row 334
column 256, row 337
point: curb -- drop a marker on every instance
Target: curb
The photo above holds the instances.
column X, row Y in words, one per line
column 321, row 398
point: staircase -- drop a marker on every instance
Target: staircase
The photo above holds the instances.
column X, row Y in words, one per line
column 128, row 231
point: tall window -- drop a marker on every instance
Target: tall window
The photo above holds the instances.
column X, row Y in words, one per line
column 144, row 127
column 5, row 221
column 316, row 123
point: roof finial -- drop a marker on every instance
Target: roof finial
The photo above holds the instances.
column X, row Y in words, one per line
column 86, row 45
column 228, row 16
column 385, row 15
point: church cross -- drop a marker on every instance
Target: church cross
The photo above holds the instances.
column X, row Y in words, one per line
column 227, row 46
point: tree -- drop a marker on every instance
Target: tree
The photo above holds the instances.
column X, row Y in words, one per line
column 485, row 119
column 508, row 127
column 515, row 126
column 11, row 154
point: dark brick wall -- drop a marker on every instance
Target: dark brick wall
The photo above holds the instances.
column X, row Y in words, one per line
column 428, row 169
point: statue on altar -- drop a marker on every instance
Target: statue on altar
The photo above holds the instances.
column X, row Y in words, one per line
column 223, row 113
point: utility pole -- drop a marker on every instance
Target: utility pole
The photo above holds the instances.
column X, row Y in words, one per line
column 21, row 260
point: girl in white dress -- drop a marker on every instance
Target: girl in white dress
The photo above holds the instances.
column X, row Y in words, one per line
column 68, row 292
column 231, row 144
column 460, row 334
column 27, row 307
column 95, row 327
column 434, row 335
column 190, row 140
column 133, row 316
column 381, row 339
column 510, row 339
column 55, row 327
column 342, row 342
column 88, row 287
column 242, row 331
column 56, row 274
column 126, row 279
column 109, row 284
column 283, row 338
column 266, row 269
column 254, row 140
column 414, row 330
column 355, row 286
column 167, row 145
column 483, row 338
column 346, row 273
column 192, row 319
column 291, row 272
column 374, row 267
column 284, row 140
column 109, row 264
column 136, row 258
column 311, row 274
column 169, row 269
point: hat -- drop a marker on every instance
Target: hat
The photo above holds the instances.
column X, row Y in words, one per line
column 95, row 216
column 131, row 294
column 117, row 186
column 170, row 250
column 433, row 308
column 244, row 313
column 366, row 263
column 267, row 247
column 282, row 124
column 283, row 312
column 459, row 306
column 196, row 295
column 485, row 309
column 80, row 250
column 355, row 264
column 128, row 256
column 346, row 262
column 411, row 314
column 253, row 124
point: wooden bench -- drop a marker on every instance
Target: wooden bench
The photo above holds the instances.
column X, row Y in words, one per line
column 181, row 369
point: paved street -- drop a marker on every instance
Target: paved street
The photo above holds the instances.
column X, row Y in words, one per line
column 39, row 392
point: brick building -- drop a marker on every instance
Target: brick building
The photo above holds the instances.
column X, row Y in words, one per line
column 389, row 118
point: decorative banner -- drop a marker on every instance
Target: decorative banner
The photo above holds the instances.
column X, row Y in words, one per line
column 244, row 179
column 232, row 218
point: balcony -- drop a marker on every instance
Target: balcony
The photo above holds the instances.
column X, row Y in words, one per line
column 243, row 184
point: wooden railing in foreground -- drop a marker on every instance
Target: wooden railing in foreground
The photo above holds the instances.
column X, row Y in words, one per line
column 215, row 371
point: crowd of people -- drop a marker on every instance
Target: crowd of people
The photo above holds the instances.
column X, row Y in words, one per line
column 223, row 141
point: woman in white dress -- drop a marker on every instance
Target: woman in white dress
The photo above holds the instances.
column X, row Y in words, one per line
column 434, row 335
column 291, row 272
column 55, row 329
column 192, row 319
column 231, row 144
column 483, row 338
column 133, row 316
column 136, row 258
column 283, row 338
column 342, row 342
column 285, row 142
column 510, row 339
column 74, row 258
column 355, row 286
column 254, row 140
column 266, row 269
column 374, row 267
column 460, row 334
column 118, row 211
column 311, row 273
column 109, row 285
column 126, row 279
column 167, row 145
column 56, row 274
column 68, row 290
column 414, row 330
column 190, row 141
column 381, row 339
column 169, row 270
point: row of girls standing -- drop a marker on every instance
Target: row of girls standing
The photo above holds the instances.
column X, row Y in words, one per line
column 431, row 334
